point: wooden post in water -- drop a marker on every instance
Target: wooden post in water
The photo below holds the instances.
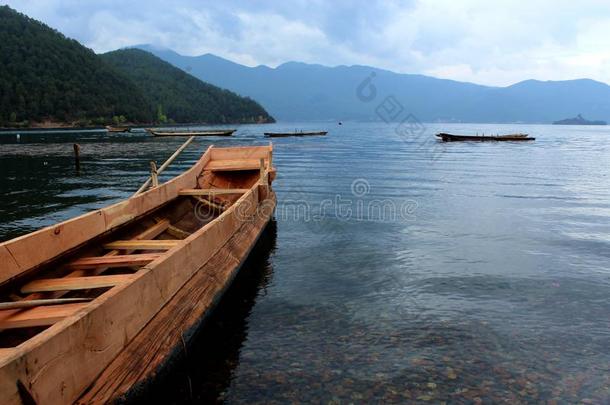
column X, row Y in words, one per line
column 154, row 174
column 77, row 157
column 164, row 165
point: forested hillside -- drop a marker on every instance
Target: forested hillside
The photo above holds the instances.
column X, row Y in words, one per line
column 46, row 76
column 176, row 95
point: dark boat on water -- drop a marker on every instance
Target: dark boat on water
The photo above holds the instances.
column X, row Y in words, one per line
column 296, row 133
column 210, row 132
column 490, row 138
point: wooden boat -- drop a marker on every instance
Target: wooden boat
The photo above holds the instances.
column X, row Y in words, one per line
column 93, row 306
column 511, row 137
column 117, row 129
column 212, row 132
column 296, row 133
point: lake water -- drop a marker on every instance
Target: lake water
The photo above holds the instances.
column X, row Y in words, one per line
column 398, row 269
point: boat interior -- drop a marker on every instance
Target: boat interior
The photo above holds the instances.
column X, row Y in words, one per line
column 37, row 298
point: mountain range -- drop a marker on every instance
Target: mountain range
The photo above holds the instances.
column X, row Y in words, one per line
column 297, row 91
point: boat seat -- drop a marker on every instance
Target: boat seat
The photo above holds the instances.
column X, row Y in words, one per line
column 229, row 165
column 75, row 283
column 157, row 244
column 113, row 261
column 212, row 191
column 38, row 316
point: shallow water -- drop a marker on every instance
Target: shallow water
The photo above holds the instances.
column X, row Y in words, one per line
column 401, row 269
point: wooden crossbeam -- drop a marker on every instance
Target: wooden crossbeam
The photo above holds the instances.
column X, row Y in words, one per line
column 113, row 261
column 229, row 165
column 75, row 283
column 39, row 316
column 177, row 232
column 212, row 191
column 40, row 303
column 141, row 244
column 213, row 206
column 150, row 233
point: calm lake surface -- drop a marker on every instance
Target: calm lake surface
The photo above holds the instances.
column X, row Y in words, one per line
column 398, row 269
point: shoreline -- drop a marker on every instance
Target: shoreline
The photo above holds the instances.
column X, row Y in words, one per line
column 74, row 128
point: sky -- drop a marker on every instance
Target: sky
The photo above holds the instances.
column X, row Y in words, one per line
column 496, row 42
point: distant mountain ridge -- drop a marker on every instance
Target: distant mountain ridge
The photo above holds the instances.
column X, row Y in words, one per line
column 297, row 91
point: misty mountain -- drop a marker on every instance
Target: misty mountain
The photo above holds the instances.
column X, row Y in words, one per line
column 304, row 92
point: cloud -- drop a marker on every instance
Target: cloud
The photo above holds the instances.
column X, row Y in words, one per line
column 498, row 42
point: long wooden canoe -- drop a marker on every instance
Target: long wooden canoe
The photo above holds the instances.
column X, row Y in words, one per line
column 93, row 306
column 296, row 133
column 497, row 138
column 212, row 132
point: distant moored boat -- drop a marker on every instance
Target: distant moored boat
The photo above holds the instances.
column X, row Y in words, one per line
column 493, row 138
column 110, row 128
column 211, row 132
column 296, row 133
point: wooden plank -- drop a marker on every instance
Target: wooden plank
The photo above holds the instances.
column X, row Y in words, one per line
column 39, row 316
column 75, row 283
column 213, row 191
column 141, row 244
column 113, row 261
column 10, row 268
column 178, row 233
column 154, row 230
column 242, row 152
column 40, row 246
column 232, row 165
column 39, row 303
column 210, row 204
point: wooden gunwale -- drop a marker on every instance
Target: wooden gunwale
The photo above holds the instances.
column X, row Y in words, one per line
column 50, row 365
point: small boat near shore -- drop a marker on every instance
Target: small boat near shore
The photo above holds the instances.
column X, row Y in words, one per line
column 93, row 307
column 296, row 133
column 211, row 132
column 482, row 138
column 113, row 129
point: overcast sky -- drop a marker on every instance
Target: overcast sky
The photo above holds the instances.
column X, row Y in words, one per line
column 497, row 42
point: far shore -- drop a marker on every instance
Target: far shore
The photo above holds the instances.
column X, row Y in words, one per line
column 68, row 127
